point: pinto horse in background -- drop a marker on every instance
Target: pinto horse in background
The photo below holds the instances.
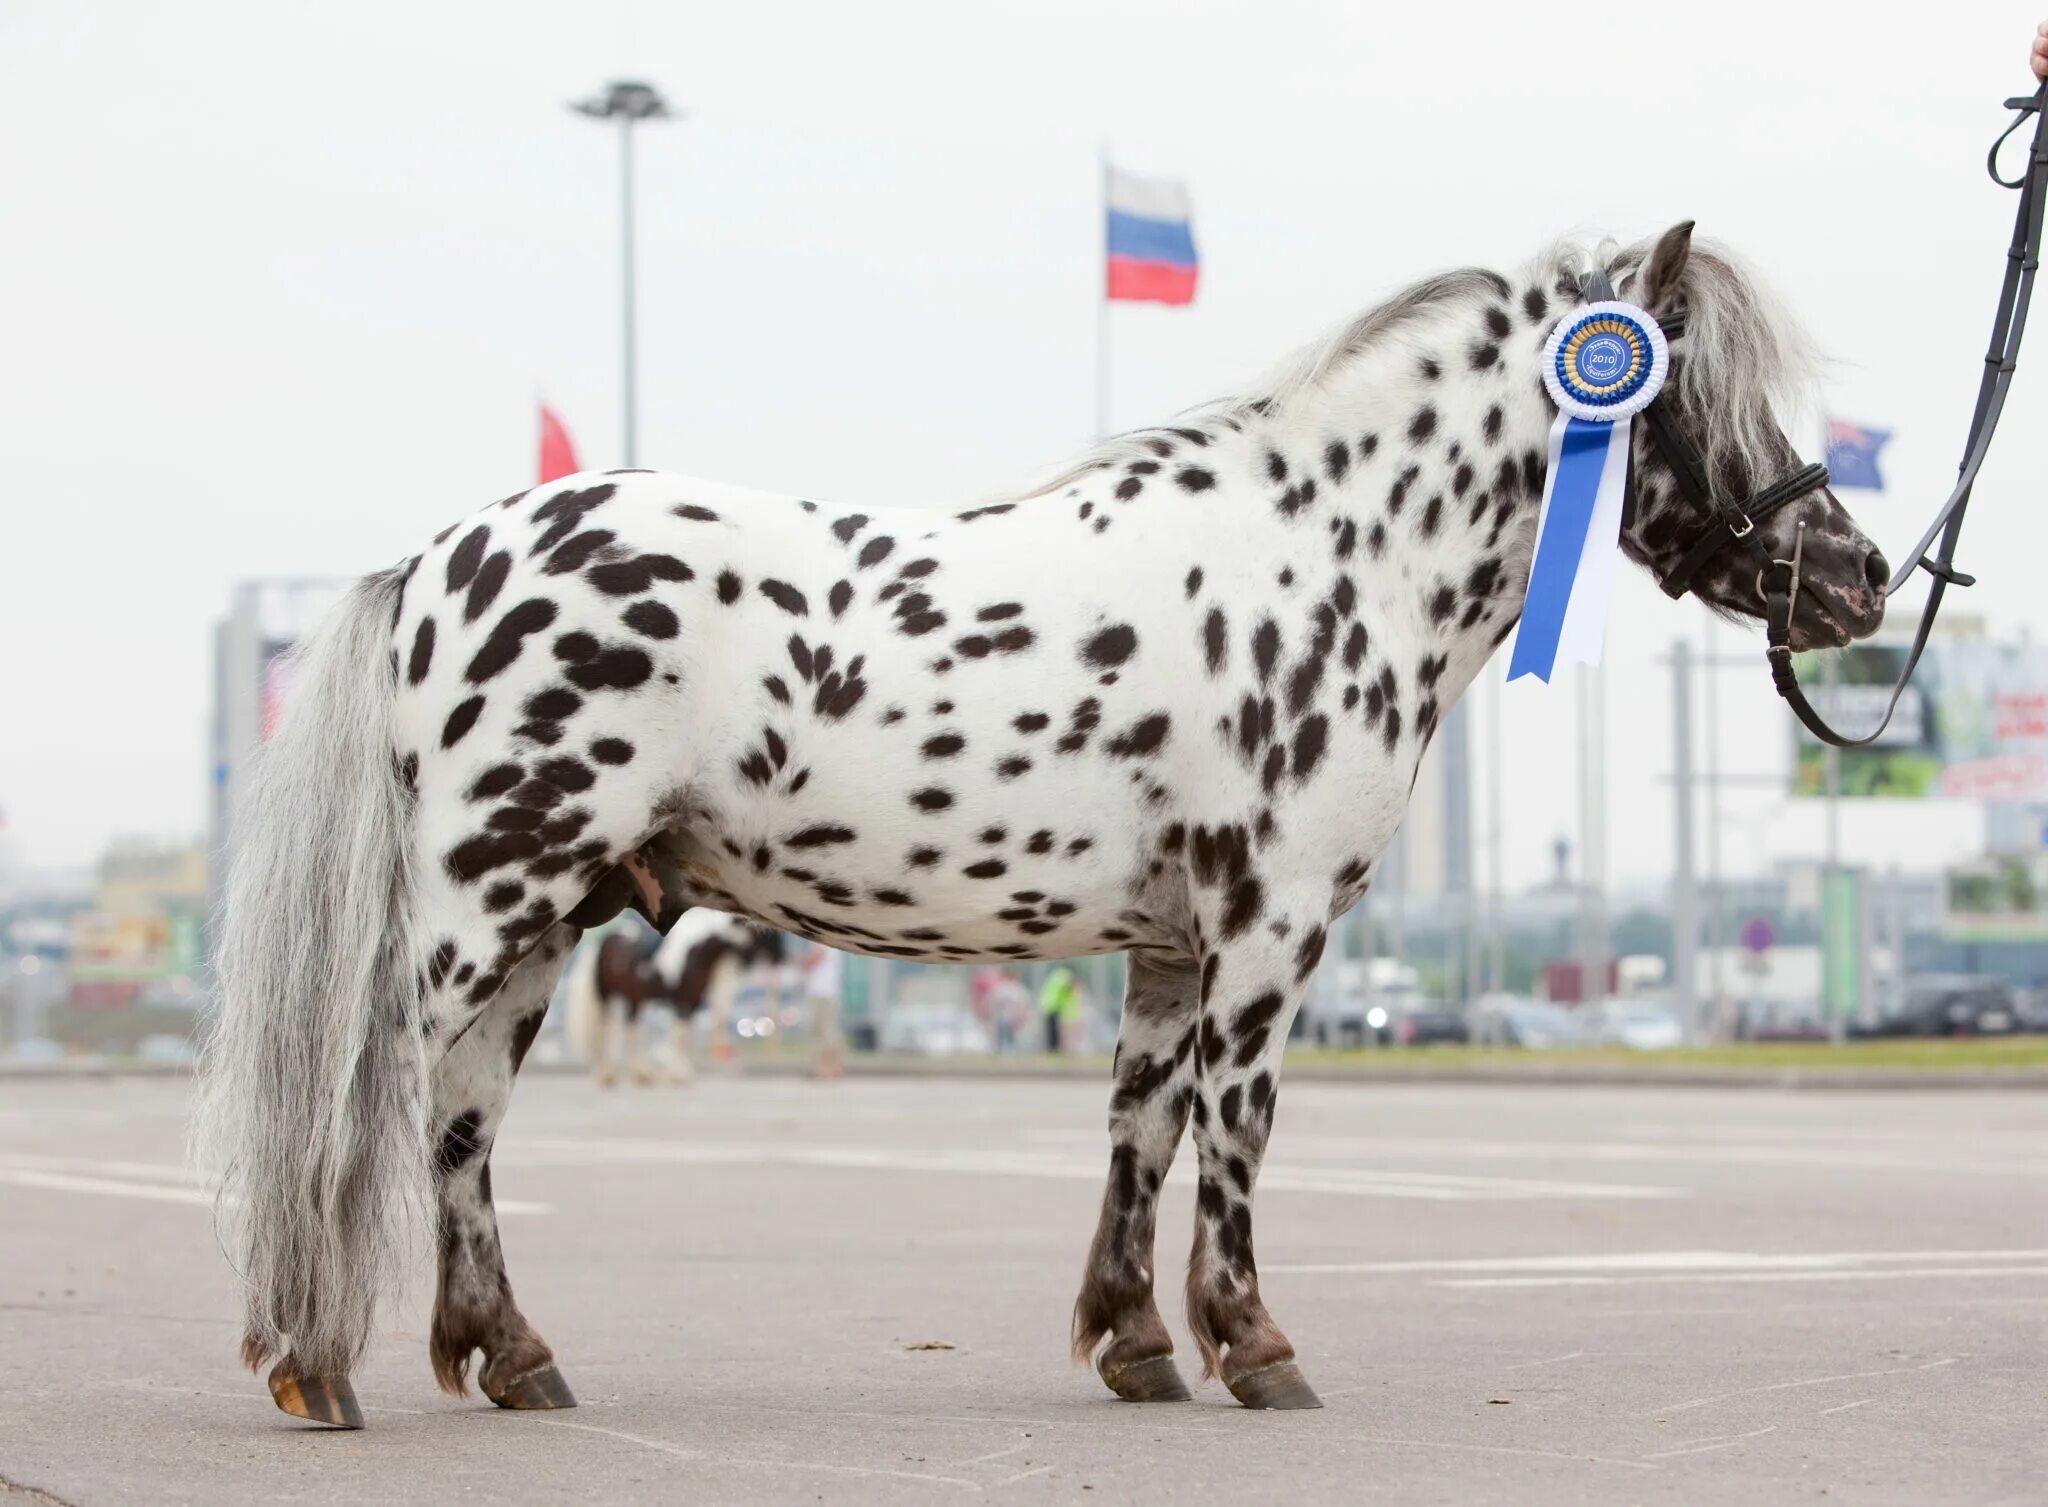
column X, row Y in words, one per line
column 701, row 963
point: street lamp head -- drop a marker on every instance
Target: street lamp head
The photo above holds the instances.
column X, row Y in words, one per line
column 629, row 99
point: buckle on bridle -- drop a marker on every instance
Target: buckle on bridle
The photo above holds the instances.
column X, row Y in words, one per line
column 1748, row 528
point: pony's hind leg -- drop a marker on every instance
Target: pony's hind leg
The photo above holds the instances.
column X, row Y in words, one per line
column 1251, row 987
column 1148, row 1110
column 613, row 1029
column 638, row 1068
column 473, row 1308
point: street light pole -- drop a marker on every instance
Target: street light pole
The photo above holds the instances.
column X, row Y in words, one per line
column 628, row 102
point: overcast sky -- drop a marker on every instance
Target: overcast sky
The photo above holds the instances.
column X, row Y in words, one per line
column 279, row 285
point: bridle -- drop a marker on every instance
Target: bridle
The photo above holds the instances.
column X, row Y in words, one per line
column 1732, row 524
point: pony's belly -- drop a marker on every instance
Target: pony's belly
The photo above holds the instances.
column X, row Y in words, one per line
column 985, row 907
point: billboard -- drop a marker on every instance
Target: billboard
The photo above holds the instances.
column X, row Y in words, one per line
column 1972, row 726
column 2000, row 899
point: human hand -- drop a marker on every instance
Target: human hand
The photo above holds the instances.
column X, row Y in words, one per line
column 2039, row 56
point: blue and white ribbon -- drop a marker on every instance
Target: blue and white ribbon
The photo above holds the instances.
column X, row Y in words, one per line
column 1602, row 365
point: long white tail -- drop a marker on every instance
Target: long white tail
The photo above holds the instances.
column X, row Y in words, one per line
column 313, row 1090
column 584, row 1024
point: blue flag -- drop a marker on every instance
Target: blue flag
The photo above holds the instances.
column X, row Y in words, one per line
column 1852, row 455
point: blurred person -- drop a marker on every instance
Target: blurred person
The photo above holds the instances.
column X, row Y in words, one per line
column 1059, row 1001
column 2038, row 57
column 1012, row 1007
column 1002, row 1004
column 983, row 990
column 824, row 970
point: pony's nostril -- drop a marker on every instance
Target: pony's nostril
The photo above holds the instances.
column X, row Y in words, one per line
column 1876, row 571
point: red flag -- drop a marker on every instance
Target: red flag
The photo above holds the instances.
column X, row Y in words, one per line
column 557, row 454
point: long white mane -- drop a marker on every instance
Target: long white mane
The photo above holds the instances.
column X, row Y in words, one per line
column 1745, row 366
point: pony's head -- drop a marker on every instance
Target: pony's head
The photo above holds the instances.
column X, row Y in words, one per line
column 1732, row 355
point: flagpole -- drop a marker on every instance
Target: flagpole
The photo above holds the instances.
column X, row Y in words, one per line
column 1102, row 293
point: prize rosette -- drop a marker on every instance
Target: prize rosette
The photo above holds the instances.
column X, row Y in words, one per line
column 1602, row 365
column 1605, row 362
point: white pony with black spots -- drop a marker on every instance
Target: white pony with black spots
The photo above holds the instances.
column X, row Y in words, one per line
column 1169, row 704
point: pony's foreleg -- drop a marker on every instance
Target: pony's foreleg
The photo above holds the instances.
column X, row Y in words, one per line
column 473, row 1308
column 1252, row 986
column 1148, row 1110
column 720, row 992
column 680, row 1069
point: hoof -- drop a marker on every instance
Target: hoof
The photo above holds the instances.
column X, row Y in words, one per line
column 318, row 1399
column 1280, row 1385
column 1156, row 1379
column 537, row 1391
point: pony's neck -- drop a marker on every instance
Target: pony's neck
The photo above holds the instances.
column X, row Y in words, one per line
column 1425, row 452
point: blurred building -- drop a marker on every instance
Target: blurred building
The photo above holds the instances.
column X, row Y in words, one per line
column 144, row 930
column 251, row 671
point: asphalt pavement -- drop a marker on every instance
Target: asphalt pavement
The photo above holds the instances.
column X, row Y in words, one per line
column 774, row 1291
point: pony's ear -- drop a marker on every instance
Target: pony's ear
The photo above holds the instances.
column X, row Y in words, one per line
column 1658, row 289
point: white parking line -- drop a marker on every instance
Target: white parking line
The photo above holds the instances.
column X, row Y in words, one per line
column 1623, row 1268
column 59, row 1182
column 1799, row 1383
column 1668, row 1278
column 1787, row 1148
column 1354, row 1182
column 152, row 1182
column 1714, row 1442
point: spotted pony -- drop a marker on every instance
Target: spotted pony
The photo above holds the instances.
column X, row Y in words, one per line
column 1169, row 703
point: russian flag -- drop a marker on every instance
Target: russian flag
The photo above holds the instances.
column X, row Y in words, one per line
column 1151, row 240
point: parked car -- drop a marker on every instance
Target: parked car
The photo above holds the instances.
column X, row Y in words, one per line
column 1428, row 1024
column 1638, row 1024
column 1516, row 1020
column 1401, row 1022
column 165, row 1047
column 1952, row 1007
column 1776, row 1020
column 1361, row 1009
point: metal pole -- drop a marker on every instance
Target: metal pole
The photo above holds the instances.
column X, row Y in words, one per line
column 1838, row 1025
column 1717, row 937
column 1592, row 840
column 1496, row 943
column 1685, row 914
column 1895, row 927
column 1397, row 942
column 629, row 384
column 1366, row 953
column 1474, row 962
column 1102, row 295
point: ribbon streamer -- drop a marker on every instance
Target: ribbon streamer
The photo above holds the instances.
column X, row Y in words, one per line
column 1564, row 619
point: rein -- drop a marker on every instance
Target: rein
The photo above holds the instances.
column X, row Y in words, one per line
column 1734, row 525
